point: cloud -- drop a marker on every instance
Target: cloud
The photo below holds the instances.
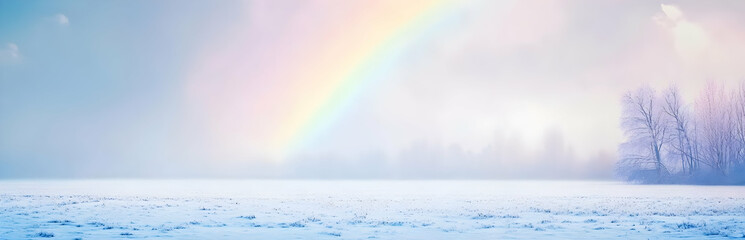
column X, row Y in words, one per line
column 690, row 40
column 13, row 50
column 672, row 12
column 62, row 19
column 9, row 53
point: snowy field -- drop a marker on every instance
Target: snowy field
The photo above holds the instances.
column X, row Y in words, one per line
column 257, row 209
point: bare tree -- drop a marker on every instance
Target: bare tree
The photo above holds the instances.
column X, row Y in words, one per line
column 645, row 129
column 672, row 141
column 715, row 119
column 738, row 127
column 680, row 138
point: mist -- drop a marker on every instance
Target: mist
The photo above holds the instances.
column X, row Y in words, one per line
column 266, row 89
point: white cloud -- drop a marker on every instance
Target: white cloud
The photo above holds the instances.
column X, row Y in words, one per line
column 13, row 50
column 9, row 53
column 62, row 19
column 672, row 12
column 690, row 40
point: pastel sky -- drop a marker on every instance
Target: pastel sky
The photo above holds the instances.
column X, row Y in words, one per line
column 342, row 88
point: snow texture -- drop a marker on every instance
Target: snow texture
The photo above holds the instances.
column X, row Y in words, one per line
column 263, row 209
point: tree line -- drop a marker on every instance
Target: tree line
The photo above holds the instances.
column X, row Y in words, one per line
column 671, row 141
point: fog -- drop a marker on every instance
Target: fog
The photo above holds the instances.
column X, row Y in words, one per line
column 338, row 89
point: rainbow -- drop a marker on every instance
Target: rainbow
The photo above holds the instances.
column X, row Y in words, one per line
column 275, row 83
column 356, row 57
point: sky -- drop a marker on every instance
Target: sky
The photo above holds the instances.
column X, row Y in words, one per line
column 342, row 89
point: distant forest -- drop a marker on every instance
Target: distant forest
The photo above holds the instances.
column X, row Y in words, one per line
column 671, row 141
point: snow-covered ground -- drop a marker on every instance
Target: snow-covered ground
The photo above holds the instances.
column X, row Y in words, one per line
column 258, row 209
